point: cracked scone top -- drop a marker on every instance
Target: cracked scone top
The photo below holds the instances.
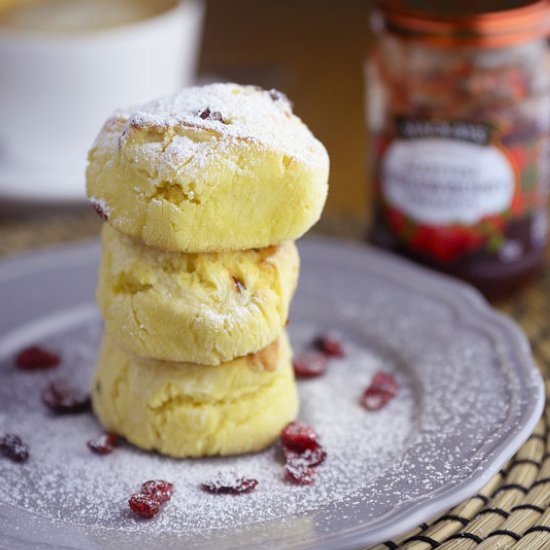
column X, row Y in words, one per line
column 213, row 168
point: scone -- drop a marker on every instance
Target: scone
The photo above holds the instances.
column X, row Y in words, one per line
column 184, row 410
column 194, row 308
column 214, row 168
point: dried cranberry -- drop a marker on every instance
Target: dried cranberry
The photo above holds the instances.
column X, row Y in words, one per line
column 384, row 381
column 238, row 284
column 11, row 446
column 300, row 473
column 230, row 486
column 207, row 114
column 330, row 345
column 62, row 398
column 309, row 457
column 144, row 506
column 103, row 444
column 99, row 211
column 375, row 400
column 36, row 357
column 299, row 437
column 303, row 452
column 276, row 95
column 382, row 389
column 158, row 490
column 310, row 364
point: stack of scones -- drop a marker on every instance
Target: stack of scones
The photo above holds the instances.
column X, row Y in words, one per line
column 204, row 193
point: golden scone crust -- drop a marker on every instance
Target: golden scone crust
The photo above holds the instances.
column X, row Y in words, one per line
column 213, row 168
column 183, row 410
column 195, row 308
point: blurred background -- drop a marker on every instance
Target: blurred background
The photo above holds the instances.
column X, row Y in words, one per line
column 476, row 210
column 313, row 50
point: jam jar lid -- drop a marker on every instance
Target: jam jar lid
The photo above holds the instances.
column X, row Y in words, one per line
column 491, row 23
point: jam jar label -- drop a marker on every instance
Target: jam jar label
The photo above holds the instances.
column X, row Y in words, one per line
column 442, row 181
column 448, row 187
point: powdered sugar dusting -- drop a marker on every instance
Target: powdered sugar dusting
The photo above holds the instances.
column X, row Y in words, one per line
column 65, row 481
column 470, row 394
column 249, row 113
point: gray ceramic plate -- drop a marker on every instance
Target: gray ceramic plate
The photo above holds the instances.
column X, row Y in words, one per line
column 470, row 395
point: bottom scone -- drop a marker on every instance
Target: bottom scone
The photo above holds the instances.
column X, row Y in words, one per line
column 186, row 410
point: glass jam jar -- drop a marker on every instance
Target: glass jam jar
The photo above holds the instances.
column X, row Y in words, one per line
column 459, row 113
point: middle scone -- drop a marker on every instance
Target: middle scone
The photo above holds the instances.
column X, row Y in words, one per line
column 195, row 308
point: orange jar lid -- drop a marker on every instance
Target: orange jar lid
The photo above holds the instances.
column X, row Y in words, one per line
column 481, row 23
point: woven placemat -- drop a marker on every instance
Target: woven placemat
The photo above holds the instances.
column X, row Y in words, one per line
column 511, row 511
column 37, row 228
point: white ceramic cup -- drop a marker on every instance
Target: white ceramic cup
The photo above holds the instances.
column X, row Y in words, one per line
column 57, row 89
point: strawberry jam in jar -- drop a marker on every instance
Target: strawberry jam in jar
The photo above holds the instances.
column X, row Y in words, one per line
column 459, row 114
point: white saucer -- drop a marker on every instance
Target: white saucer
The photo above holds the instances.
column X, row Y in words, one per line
column 42, row 183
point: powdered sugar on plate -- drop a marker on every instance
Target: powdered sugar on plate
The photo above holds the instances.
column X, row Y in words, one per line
column 65, row 481
column 470, row 394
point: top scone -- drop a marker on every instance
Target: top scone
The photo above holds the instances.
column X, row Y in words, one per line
column 214, row 168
